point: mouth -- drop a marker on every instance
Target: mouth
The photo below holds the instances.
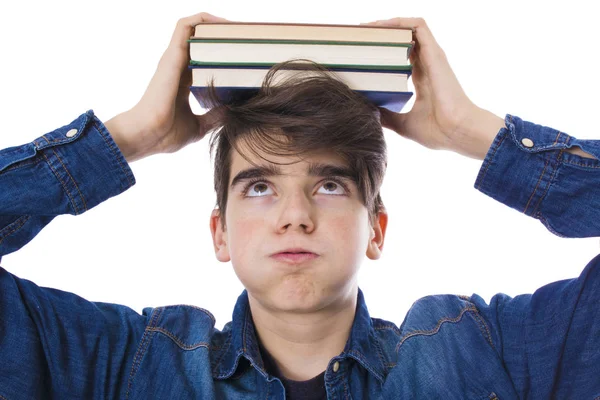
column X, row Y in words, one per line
column 294, row 256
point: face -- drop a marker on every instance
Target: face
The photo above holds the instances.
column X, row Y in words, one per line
column 297, row 233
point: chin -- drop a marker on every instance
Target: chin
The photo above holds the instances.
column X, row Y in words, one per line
column 298, row 296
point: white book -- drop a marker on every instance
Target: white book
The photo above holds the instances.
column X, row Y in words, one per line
column 272, row 53
column 253, row 78
column 295, row 31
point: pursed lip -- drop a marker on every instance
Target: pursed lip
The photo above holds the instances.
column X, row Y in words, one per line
column 294, row 250
column 294, row 255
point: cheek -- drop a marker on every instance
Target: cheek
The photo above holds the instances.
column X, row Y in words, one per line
column 244, row 231
column 248, row 247
column 349, row 232
column 344, row 227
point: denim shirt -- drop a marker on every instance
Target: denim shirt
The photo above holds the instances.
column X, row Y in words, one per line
column 55, row 344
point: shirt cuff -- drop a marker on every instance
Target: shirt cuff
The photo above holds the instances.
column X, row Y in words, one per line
column 86, row 161
column 522, row 163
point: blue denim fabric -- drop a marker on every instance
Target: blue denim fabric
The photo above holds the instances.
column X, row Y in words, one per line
column 54, row 344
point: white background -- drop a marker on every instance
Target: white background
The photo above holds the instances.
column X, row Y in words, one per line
column 151, row 245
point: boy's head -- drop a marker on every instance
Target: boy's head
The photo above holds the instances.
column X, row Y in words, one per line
column 298, row 166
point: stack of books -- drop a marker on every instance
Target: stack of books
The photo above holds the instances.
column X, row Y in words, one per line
column 371, row 60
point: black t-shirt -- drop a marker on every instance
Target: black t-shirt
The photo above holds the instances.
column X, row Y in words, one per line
column 313, row 389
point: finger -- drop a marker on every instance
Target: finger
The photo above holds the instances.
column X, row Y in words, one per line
column 420, row 79
column 172, row 67
column 431, row 71
column 210, row 120
column 185, row 28
column 418, row 25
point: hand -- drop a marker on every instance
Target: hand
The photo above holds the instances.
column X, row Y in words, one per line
column 162, row 121
column 443, row 117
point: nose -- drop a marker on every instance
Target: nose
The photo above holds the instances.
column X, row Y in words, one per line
column 295, row 212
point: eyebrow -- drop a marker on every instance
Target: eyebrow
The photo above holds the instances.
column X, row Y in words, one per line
column 314, row 169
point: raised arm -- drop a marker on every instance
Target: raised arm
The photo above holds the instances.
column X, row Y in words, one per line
column 547, row 341
column 539, row 171
column 66, row 171
column 78, row 166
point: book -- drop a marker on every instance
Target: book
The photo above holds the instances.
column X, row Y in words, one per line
column 275, row 51
column 372, row 61
column 383, row 88
column 295, row 31
column 393, row 101
column 386, row 81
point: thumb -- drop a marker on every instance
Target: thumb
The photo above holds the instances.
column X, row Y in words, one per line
column 392, row 120
column 211, row 120
column 207, row 17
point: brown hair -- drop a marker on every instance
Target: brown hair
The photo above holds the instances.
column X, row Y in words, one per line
column 309, row 111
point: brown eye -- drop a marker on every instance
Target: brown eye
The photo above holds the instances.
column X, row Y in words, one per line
column 333, row 187
column 257, row 189
column 330, row 186
column 260, row 188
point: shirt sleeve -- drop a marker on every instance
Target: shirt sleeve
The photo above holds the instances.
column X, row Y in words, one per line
column 528, row 169
column 54, row 343
column 67, row 171
column 548, row 341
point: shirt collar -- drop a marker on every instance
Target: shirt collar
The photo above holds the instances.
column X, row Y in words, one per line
column 241, row 348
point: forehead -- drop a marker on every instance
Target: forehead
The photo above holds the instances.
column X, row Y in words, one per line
column 288, row 164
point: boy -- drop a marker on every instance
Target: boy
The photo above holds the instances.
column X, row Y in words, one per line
column 295, row 225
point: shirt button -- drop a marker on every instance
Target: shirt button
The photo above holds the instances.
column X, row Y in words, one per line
column 527, row 142
column 336, row 366
column 72, row 133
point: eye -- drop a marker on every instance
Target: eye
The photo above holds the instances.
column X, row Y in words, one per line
column 260, row 188
column 257, row 189
column 333, row 186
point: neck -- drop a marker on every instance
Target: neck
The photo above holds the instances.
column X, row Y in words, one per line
column 302, row 344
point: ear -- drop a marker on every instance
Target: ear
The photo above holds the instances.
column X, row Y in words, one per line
column 377, row 236
column 219, row 237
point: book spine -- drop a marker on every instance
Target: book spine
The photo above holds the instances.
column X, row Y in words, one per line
column 404, row 71
column 356, row 67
